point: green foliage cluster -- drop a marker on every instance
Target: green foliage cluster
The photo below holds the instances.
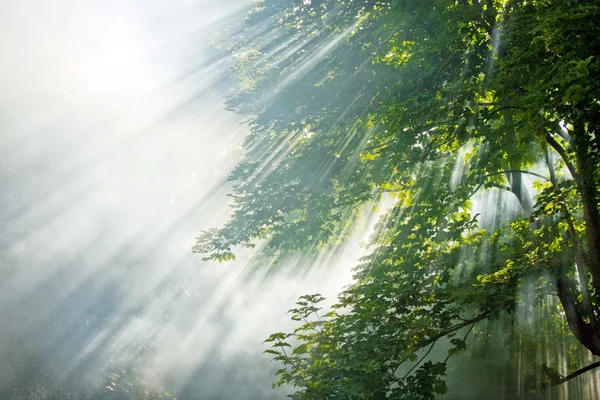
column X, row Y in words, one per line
column 430, row 104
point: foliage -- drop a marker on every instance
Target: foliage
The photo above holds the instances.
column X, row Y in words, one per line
column 433, row 105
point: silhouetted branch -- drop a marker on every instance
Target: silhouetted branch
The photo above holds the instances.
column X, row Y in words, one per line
column 563, row 154
column 510, row 171
column 454, row 328
column 418, row 362
column 451, row 352
column 576, row 373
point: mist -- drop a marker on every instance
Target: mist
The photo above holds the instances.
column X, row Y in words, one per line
column 115, row 146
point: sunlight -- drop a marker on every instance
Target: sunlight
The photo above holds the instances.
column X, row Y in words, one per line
column 118, row 156
column 423, row 218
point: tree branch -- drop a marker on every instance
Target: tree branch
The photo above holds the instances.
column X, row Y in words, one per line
column 415, row 130
column 576, row 373
column 498, row 186
column 506, row 108
column 579, row 259
column 453, row 328
column 510, row 171
column 583, row 332
column 475, row 190
column 451, row 352
column 418, row 362
column 431, row 341
column 563, row 154
column 560, row 132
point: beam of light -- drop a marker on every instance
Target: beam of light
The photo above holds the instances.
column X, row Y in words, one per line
column 114, row 151
column 311, row 60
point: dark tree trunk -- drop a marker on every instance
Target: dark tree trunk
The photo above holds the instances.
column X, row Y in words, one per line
column 583, row 332
column 586, row 182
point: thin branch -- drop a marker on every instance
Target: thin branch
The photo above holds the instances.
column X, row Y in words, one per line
column 424, row 157
column 453, row 329
column 506, row 108
column 399, row 364
column 418, row 362
column 510, row 171
column 563, row 154
column 576, row 373
column 499, row 186
column 475, row 190
column 432, row 341
column 451, row 352
column 416, row 130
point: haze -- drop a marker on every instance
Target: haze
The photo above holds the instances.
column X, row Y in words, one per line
column 114, row 149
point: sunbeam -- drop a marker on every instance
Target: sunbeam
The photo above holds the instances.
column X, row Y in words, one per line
column 249, row 199
column 115, row 149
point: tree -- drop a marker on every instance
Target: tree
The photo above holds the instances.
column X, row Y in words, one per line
column 431, row 104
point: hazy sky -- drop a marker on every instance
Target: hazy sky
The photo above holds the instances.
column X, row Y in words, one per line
column 114, row 145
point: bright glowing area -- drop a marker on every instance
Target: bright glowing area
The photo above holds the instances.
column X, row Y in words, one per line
column 114, row 146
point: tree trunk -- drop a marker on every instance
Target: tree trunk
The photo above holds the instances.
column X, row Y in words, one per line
column 583, row 332
column 586, row 164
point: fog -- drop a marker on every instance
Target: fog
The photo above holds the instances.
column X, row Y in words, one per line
column 114, row 149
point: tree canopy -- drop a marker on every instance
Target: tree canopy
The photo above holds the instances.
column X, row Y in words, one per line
column 434, row 107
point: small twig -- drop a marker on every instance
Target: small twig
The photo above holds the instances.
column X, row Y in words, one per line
column 509, row 171
column 506, row 108
column 445, row 154
column 418, row 362
column 464, row 339
column 454, row 328
column 475, row 190
column 498, row 186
